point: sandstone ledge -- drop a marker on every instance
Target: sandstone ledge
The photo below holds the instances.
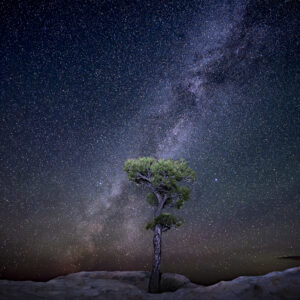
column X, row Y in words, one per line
column 133, row 285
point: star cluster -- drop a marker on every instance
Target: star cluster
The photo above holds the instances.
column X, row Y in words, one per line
column 86, row 85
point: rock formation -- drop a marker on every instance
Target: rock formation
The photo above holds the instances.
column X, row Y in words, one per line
column 102, row 285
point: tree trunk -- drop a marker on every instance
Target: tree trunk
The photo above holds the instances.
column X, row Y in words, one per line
column 154, row 282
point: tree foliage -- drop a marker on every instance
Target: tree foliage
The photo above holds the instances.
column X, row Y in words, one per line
column 166, row 220
column 163, row 178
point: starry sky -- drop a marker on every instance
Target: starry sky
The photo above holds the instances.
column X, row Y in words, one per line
column 87, row 84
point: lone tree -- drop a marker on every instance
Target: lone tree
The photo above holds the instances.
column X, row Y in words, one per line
column 161, row 177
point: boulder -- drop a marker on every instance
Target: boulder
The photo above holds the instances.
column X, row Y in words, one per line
column 171, row 282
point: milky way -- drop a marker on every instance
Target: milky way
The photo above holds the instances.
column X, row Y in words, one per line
column 86, row 85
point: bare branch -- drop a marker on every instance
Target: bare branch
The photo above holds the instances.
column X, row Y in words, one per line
column 166, row 228
column 141, row 176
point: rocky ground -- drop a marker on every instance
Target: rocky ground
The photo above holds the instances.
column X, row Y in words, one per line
column 133, row 285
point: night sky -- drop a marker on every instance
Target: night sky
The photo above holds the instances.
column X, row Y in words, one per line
column 87, row 84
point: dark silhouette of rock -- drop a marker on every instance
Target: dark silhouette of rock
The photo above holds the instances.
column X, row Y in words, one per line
column 102, row 285
column 172, row 282
column 290, row 257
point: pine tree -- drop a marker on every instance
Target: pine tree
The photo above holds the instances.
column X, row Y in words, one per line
column 162, row 178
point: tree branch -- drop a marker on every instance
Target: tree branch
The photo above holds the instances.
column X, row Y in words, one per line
column 166, row 228
column 161, row 203
column 141, row 176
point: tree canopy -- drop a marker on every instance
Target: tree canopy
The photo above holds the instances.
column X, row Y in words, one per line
column 163, row 178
